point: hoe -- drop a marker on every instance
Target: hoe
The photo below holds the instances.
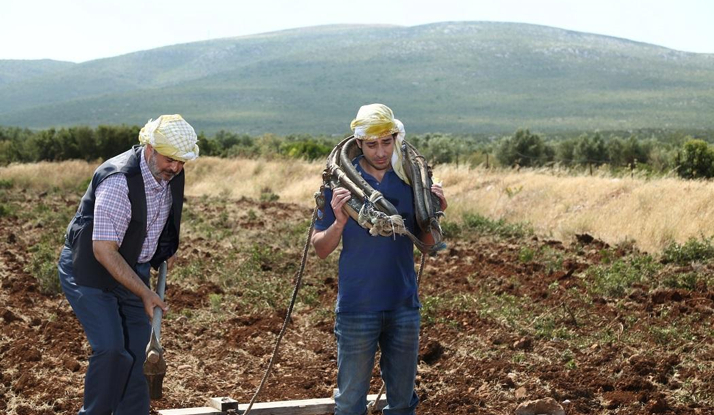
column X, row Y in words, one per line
column 155, row 365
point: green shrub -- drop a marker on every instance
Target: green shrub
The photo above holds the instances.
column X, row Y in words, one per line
column 687, row 280
column 614, row 279
column 696, row 160
column 267, row 195
column 478, row 223
column 43, row 266
column 694, row 250
column 5, row 210
column 450, row 229
column 308, row 150
column 524, row 149
column 526, row 254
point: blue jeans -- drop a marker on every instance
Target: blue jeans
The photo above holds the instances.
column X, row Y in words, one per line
column 118, row 330
column 358, row 334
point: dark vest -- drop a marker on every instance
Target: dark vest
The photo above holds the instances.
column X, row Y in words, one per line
column 87, row 270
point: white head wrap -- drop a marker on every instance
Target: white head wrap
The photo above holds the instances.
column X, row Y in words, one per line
column 397, row 156
column 375, row 121
column 171, row 136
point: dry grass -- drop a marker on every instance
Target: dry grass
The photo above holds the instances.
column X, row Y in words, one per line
column 650, row 212
column 293, row 181
column 45, row 175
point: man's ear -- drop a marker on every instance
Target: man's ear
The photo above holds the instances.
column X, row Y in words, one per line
column 148, row 152
column 359, row 143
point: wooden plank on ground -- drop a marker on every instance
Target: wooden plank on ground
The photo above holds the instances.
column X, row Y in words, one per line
column 296, row 407
column 204, row 410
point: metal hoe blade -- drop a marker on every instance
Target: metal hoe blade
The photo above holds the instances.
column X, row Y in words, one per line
column 155, row 365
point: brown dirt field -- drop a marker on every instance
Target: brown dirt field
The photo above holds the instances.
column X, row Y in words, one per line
column 477, row 356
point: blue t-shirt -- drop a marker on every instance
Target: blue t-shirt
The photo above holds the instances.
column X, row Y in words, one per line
column 376, row 273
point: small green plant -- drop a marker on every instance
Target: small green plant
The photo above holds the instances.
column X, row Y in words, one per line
column 606, row 256
column 450, row 229
column 614, row 279
column 251, row 215
column 526, row 254
column 430, row 309
column 694, row 250
column 663, row 335
column 191, row 270
column 687, row 280
column 5, row 210
column 309, row 296
column 505, row 308
column 569, row 360
column 545, row 326
column 216, row 301
column 294, row 234
column 478, row 223
column 267, row 195
column 223, row 220
column 43, row 266
column 263, row 256
column 6, row 184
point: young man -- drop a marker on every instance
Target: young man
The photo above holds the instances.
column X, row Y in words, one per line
column 377, row 300
column 128, row 220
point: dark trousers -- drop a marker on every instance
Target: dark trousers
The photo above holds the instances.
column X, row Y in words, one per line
column 118, row 330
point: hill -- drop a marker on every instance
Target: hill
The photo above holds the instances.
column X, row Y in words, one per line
column 459, row 77
column 15, row 71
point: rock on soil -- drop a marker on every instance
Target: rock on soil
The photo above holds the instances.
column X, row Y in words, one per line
column 547, row 406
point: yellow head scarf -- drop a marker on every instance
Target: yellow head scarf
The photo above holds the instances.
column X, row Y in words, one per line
column 375, row 121
column 171, row 136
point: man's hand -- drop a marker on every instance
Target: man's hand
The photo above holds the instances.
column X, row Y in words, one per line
column 107, row 253
column 340, row 196
column 326, row 241
column 151, row 300
column 439, row 192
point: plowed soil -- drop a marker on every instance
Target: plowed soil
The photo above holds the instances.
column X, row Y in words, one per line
column 647, row 351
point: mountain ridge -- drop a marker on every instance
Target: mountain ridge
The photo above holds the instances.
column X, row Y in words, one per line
column 455, row 77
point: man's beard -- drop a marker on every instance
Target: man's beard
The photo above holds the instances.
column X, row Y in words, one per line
column 155, row 171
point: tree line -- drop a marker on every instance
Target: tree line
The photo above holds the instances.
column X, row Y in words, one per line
column 688, row 153
column 662, row 153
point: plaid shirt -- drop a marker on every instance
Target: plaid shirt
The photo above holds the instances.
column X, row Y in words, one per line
column 112, row 209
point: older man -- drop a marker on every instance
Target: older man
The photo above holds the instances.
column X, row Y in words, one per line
column 128, row 220
column 377, row 299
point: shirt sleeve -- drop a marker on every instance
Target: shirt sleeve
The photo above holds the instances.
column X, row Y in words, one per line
column 326, row 215
column 112, row 209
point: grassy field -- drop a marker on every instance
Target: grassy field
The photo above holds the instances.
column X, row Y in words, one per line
column 651, row 213
column 506, row 317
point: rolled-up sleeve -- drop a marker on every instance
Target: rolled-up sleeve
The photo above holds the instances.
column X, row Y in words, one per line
column 112, row 209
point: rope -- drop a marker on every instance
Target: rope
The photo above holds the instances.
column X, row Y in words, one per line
column 373, row 405
column 298, row 282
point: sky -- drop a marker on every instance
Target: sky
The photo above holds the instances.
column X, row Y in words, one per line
column 83, row 30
